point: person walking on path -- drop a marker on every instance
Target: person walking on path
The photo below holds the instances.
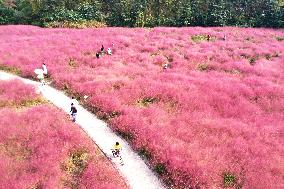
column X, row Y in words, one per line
column 116, row 152
column 116, row 149
column 73, row 112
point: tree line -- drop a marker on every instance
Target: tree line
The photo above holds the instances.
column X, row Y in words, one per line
column 146, row 13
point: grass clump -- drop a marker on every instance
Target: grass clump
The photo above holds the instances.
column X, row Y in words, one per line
column 252, row 59
column 229, row 179
column 72, row 63
column 203, row 67
column 74, row 166
column 125, row 135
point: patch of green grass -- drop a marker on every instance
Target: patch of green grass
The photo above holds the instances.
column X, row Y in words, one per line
column 203, row 67
column 198, row 38
column 229, row 179
column 23, row 104
column 33, row 102
column 146, row 101
column 279, row 38
column 10, row 69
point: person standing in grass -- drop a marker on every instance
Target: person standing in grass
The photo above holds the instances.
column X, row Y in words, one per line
column 208, row 37
column 108, row 51
column 225, row 37
column 102, row 50
column 73, row 112
column 165, row 66
column 97, row 55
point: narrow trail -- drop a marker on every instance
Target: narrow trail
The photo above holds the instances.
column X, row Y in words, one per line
column 135, row 171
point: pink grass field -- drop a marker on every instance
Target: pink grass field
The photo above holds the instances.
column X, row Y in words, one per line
column 214, row 119
column 41, row 148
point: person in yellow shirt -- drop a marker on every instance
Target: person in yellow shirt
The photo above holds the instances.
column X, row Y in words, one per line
column 116, row 149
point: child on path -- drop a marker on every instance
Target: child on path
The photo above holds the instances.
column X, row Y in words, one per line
column 97, row 55
column 73, row 112
column 116, row 150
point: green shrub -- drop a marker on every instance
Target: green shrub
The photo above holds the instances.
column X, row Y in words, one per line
column 10, row 69
column 229, row 179
column 160, row 168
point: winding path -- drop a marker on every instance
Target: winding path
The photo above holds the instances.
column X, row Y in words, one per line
column 135, row 171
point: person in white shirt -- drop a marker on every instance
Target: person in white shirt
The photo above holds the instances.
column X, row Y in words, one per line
column 108, row 51
column 44, row 69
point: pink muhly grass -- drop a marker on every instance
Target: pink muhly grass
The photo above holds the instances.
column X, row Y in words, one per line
column 217, row 111
column 36, row 142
